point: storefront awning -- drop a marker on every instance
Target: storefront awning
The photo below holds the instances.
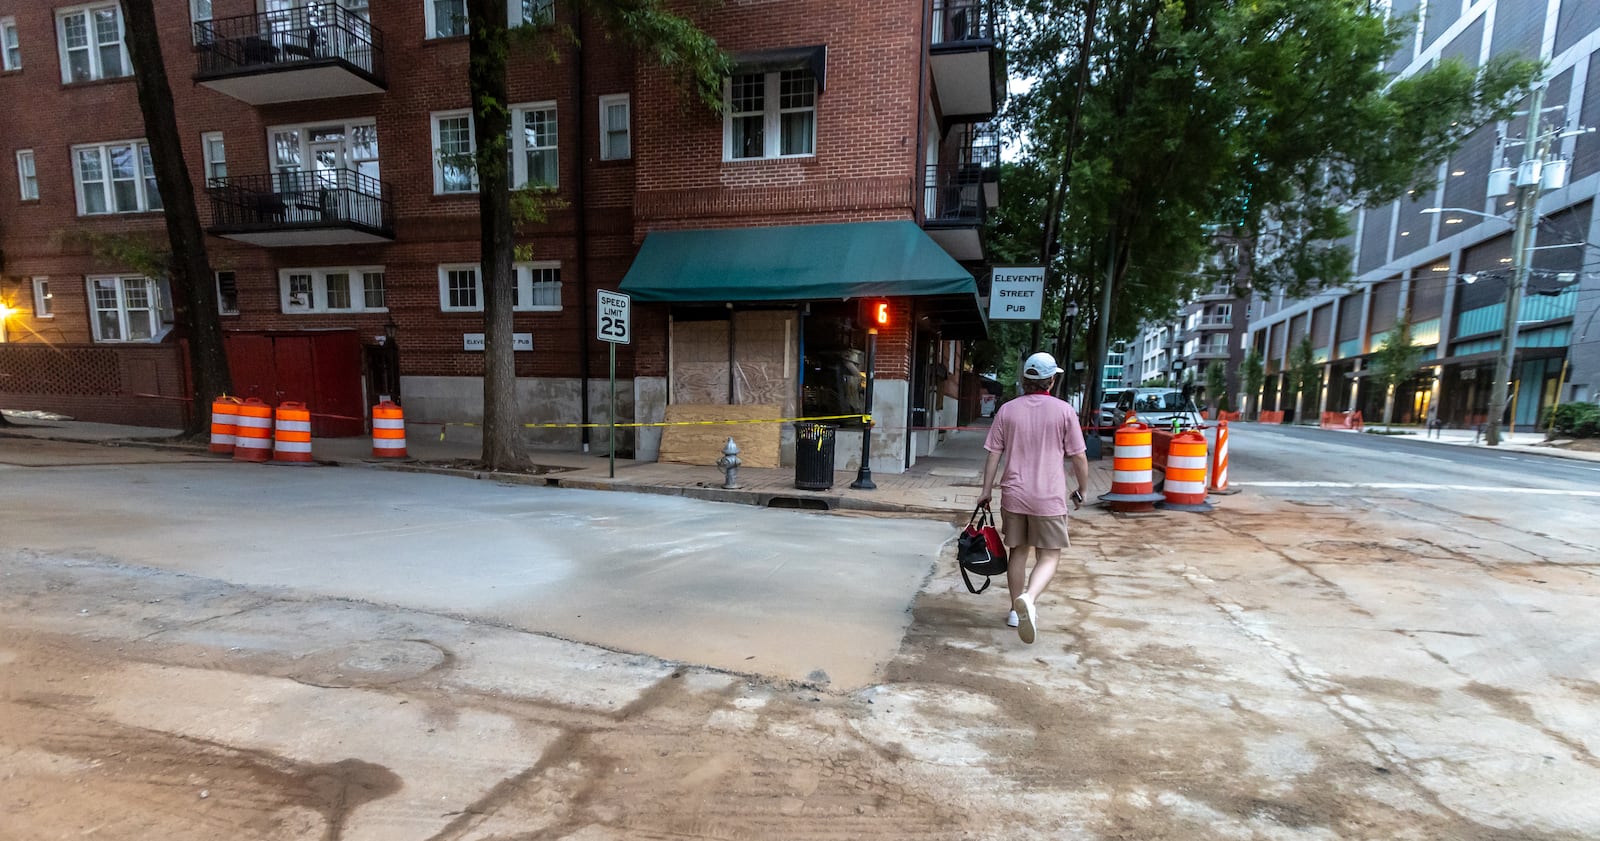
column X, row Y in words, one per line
column 795, row 263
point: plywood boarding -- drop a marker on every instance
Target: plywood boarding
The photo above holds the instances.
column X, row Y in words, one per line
column 758, row 442
column 699, row 362
column 764, row 359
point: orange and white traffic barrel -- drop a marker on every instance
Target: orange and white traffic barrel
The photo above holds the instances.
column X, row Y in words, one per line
column 1185, row 483
column 224, row 414
column 1132, row 477
column 291, row 441
column 388, row 431
column 1219, row 459
column 252, row 433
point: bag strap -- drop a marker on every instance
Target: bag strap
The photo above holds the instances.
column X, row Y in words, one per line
column 968, row 580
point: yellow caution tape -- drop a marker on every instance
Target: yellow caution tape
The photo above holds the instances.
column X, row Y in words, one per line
column 443, row 427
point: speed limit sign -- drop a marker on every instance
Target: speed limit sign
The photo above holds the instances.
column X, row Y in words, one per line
column 613, row 318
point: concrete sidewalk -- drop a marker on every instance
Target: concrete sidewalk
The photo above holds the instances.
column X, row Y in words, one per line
column 945, row 485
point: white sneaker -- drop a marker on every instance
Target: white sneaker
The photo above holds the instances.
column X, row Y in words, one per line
column 1011, row 619
column 1025, row 624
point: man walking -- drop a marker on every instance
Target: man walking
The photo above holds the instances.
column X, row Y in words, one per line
column 1034, row 435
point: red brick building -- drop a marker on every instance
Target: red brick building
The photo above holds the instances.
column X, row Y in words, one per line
column 326, row 140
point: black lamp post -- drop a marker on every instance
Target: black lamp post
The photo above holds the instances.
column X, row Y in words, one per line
column 863, row 480
column 391, row 359
column 1071, row 313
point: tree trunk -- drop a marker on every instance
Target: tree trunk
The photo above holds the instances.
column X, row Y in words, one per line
column 486, row 76
column 194, row 292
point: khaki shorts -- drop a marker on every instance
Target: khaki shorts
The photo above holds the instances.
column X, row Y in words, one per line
column 1029, row 530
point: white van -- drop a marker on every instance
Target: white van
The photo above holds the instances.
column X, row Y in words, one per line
column 1157, row 407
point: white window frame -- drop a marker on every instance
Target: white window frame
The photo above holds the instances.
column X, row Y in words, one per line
column 42, row 306
column 212, row 160
column 96, row 69
column 438, row 164
column 514, row 17
column 772, row 117
column 348, row 145
column 522, row 296
column 143, row 188
column 27, row 175
column 356, row 277
column 606, row 102
column 10, row 41
column 200, row 11
column 516, row 146
column 222, row 308
column 124, row 315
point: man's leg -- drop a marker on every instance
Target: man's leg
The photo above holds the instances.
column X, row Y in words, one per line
column 1044, row 568
column 1017, row 571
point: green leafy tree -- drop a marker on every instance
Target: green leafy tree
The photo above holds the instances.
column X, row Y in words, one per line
column 188, row 268
column 1253, row 373
column 1217, row 384
column 1395, row 362
column 1304, row 375
column 1264, row 120
column 670, row 41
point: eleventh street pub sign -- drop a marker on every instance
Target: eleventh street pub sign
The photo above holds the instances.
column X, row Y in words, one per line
column 1016, row 293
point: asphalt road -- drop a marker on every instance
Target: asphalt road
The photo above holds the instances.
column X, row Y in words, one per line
column 1288, row 453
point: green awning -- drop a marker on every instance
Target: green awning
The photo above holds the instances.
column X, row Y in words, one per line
column 795, row 263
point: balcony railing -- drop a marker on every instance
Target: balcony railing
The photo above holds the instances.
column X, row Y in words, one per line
column 953, row 195
column 1213, row 323
column 961, row 21
column 302, row 208
column 318, row 35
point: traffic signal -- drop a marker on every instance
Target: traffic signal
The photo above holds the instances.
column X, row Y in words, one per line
column 877, row 314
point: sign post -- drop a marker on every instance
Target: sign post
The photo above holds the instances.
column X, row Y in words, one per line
column 1016, row 293
column 613, row 325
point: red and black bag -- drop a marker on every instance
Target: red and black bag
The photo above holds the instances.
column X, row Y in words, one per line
column 979, row 550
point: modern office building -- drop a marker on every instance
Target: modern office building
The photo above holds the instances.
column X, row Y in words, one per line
column 1450, row 269
column 330, row 147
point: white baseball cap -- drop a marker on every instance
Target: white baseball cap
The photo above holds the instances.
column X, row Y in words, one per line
column 1040, row 366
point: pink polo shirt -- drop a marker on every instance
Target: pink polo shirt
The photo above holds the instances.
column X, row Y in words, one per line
column 1037, row 432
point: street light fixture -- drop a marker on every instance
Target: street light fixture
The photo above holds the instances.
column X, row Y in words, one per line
column 1071, row 315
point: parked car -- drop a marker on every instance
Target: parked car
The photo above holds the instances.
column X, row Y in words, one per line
column 1156, row 407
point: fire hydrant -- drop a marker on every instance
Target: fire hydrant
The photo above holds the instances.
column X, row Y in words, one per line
column 730, row 464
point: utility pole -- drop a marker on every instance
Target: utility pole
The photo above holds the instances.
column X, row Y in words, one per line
column 1528, row 176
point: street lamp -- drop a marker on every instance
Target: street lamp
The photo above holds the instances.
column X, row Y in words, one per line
column 1071, row 314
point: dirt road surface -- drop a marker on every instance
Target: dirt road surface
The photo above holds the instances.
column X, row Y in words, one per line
column 1292, row 667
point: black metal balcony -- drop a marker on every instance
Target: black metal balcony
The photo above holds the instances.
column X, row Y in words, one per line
column 968, row 67
column 327, row 207
column 319, row 51
column 954, row 205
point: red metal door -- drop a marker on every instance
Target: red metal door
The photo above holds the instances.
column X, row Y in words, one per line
column 294, row 361
column 336, row 374
column 251, row 363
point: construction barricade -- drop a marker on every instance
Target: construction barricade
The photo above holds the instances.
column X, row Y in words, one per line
column 388, row 431
column 252, row 436
column 291, row 441
column 1185, row 483
column 1219, row 460
column 1132, row 478
column 224, row 417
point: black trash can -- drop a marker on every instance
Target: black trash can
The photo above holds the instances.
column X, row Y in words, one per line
column 813, row 455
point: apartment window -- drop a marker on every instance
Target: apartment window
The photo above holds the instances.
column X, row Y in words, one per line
column 537, row 289
column 10, row 45
column 323, row 148
column 458, row 289
column 448, row 18
column 199, row 10
column 216, row 155
column 43, row 306
column 615, row 140
column 770, row 115
column 332, row 290
column 531, row 147
column 453, row 168
column 227, row 293
column 115, row 178
column 27, row 177
column 126, row 308
column 90, row 38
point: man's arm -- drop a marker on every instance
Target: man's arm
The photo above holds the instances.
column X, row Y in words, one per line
column 1080, row 470
column 991, row 467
